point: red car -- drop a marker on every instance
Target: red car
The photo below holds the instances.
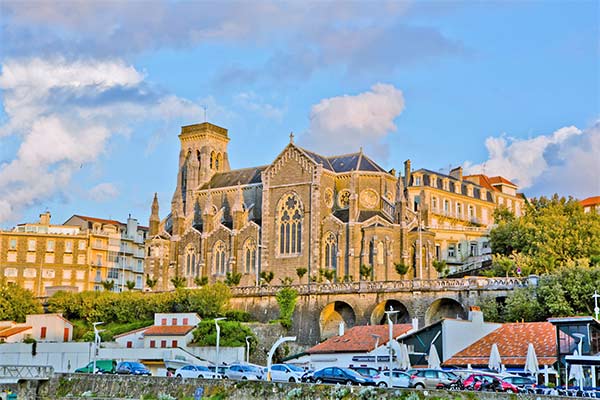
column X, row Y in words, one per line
column 488, row 382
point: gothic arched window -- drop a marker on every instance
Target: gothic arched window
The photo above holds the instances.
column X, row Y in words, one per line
column 250, row 256
column 190, row 261
column 219, row 162
column 219, row 256
column 290, row 215
column 371, row 253
column 193, row 264
column 380, row 253
column 213, row 159
column 330, row 251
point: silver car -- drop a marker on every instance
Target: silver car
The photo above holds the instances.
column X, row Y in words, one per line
column 245, row 372
column 196, row 371
column 285, row 373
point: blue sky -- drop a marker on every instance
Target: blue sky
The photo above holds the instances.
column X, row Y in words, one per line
column 93, row 94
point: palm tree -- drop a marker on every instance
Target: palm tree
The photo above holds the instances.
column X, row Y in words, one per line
column 108, row 285
column 233, row 278
column 151, row 282
column 178, row 282
column 201, row 281
column 130, row 285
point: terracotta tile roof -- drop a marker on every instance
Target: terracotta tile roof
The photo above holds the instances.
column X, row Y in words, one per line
column 481, row 180
column 359, row 339
column 512, row 341
column 168, row 330
column 8, row 332
column 102, row 221
column 590, row 201
column 495, row 180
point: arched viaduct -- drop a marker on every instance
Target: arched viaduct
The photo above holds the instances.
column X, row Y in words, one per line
column 321, row 307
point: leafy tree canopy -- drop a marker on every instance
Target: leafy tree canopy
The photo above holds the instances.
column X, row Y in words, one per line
column 233, row 334
column 16, row 302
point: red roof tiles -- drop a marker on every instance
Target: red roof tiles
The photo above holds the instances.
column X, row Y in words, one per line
column 102, row 221
column 8, row 332
column 168, row 330
column 590, row 201
column 495, row 180
column 359, row 339
column 512, row 341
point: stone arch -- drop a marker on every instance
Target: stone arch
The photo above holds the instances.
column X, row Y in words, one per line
column 444, row 308
column 378, row 316
column 332, row 315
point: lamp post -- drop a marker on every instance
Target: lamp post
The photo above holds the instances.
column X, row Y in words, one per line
column 97, row 340
column 218, row 339
column 248, row 349
column 272, row 352
column 596, row 308
column 391, row 328
column 376, row 337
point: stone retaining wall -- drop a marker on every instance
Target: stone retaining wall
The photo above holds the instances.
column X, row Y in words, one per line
column 71, row 386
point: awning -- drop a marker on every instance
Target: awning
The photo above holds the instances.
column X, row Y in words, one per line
column 583, row 360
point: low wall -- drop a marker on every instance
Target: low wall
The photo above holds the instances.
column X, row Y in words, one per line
column 70, row 386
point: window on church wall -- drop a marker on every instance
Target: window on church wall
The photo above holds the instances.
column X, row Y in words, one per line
column 212, row 159
column 380, row 253
column 250, row 256
column 330, row 251
column 219, row 256
column 193, row 264
column 218, row 161
column 371, row 253
column 188, row 264
column 290, row 216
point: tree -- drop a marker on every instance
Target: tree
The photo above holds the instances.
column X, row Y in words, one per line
column 286, row 281
column 210, row 300
column 523, row 304
column 401, row 268
column 16, row 302
column 267, row 276
column 327, row 273
column 130, row 285
column 286, row 299
column 233, row 334
column 151, row 282
column 233, row 278
column 108, row 285
column 301, row 272
column 178, row 282
column 201, row 281
column 366, row 271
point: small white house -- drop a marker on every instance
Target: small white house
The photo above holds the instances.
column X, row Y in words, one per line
column 176, row 319
column 14, row 333
column 169, row 330
column 41, row 327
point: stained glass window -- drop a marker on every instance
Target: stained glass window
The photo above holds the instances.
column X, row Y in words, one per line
column 290, row 216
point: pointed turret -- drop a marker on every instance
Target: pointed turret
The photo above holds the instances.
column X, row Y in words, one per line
column 154, row 217
column 238, row 211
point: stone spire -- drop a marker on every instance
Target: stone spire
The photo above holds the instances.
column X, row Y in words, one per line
column 154, row 217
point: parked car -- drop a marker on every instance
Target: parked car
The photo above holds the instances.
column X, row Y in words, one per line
column 245, row 372
column 222, row 369
column 367, row 371
column 483, row 382
column 285, row 373
column 196, row 371
column 430, row 378
column 399, row 379
column 102, row 367
column 132, row 368
column 525, row 384
column 344, row 376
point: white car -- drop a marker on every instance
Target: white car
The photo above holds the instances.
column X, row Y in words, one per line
column 245, row 372
column 196, row 371
column 399, row 379
column 285, row 373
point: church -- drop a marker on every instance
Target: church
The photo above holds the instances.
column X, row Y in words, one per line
column 336, row 218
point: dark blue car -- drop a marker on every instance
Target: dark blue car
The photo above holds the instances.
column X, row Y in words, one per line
column 343, row 376
column 132, row 368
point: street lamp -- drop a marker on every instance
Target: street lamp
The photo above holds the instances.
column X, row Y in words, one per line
column 97, row 340
column 272, row 352
column 248, row 349
column 218, row 339
column 391, row 328
column 596, row 308
column 376, row 337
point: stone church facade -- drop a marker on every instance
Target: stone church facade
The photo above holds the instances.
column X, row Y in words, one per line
column 303, row 210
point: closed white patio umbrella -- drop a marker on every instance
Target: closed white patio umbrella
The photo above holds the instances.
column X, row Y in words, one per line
column 495, row 362
column 433, row 360
column 404, row 357
column 576, row 372
column 531, row 362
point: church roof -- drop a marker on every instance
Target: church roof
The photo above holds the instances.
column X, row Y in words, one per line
column 346, row 162
column 343, row 215
column 244, row 176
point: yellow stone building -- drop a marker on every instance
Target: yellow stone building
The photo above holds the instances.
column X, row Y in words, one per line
column 75, row 256
column 320, row 213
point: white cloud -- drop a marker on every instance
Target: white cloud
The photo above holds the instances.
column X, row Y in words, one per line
column 64, row 114
column 103, row 192
column 344, row 123
column 565, row 162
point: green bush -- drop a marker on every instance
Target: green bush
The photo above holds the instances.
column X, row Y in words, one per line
column 238, row 315
column 286, row 299
column 233, row 334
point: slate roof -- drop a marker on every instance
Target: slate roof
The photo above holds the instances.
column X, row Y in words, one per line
column 168, row 330
column 512, row 341
column 359, row 339
column 244, row 176
column 346, row 162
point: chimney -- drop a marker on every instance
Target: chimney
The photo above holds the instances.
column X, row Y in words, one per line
column 45, row 218
column 407, row 172
column 341, row 329
column 457, row 173
column 475, row 315
column 415, row 323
